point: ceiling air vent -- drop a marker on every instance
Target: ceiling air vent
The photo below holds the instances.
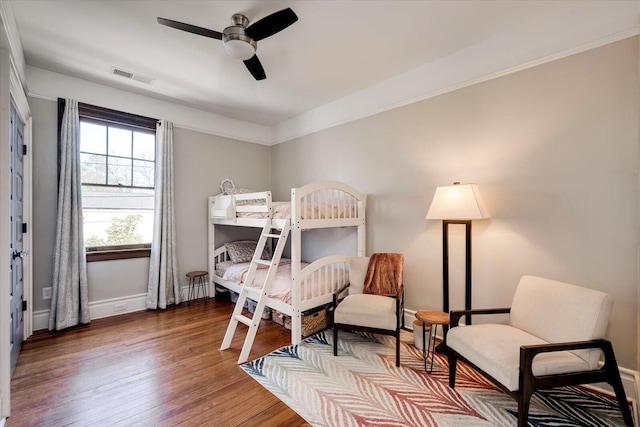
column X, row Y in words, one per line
column 133, row 76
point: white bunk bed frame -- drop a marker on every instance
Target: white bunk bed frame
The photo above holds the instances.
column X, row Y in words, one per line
column 224, row 210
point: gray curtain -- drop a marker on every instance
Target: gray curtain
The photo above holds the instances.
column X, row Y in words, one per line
column 70, row 295
column 164, row 285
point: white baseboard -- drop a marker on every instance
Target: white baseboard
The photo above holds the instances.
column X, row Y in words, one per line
column 104, row 308
column 631, row 383
column 409, row 317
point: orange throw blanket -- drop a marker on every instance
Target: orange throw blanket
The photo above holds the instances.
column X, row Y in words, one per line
column 384, row 274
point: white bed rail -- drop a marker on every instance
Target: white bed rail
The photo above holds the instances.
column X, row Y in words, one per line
column 319, row 280
column 254, row 202
column 223, row 206
column 317, row 205
column 322, row 203
column 220, row 255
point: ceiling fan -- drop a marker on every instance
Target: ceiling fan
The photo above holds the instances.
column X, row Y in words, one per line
column 241, row 39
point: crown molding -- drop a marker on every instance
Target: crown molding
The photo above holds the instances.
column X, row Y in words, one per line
column 50, row 85
column 477, row 64
column 18, row 62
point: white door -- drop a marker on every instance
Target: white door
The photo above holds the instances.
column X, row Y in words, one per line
column 17, row 231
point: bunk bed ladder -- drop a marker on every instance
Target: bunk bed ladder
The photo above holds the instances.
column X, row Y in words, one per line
column 257, row 294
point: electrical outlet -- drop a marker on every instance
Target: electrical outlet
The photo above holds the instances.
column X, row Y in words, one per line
column 46, row 293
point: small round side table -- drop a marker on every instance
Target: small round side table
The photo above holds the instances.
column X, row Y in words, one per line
column 197, row 281
column 433, row 318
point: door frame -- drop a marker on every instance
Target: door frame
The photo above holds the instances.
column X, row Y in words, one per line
column 11, row 90
column 24, row 112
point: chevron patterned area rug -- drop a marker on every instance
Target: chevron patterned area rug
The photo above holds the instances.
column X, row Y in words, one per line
column 362, row 386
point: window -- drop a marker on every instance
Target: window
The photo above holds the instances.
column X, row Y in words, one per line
column 117, row 161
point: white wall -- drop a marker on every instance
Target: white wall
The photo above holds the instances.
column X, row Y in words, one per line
column 554, row 150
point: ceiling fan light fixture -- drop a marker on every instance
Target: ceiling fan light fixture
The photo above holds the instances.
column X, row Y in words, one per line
column 240, row 49
column 238, row 44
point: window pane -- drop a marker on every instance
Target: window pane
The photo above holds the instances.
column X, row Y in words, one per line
column 120, row 142
column 144, row 146
column 116, row 156
column 93, row 138
column 119, row 171
column 143, row 175
column 93, row 168
column 117, row 216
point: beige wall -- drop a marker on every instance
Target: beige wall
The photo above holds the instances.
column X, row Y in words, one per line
column 554, row 150
column 45, row 170
column 201, row 162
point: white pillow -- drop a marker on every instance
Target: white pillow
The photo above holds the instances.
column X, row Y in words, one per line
column 357, row 271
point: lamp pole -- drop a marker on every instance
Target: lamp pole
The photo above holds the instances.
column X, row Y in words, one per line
column 445, row 265
column 456, row 204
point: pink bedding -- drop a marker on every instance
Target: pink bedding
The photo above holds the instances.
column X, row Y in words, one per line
column 281, row 285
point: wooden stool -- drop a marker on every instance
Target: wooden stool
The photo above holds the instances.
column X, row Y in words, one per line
column 197, row 280
column 433, row 318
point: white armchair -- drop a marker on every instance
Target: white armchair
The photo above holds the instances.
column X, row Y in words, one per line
column 357, row 308
column 554, row 338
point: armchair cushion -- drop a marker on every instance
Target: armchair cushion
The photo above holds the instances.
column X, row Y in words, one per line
column 357, row 272
column 495, row 349
column 371, row 311
column 560, row 312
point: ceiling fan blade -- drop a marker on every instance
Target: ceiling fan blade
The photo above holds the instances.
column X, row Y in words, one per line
column 255, row 68
column 269, row 25
column 190, row 28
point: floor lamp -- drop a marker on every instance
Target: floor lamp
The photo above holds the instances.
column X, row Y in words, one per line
column 457, row 204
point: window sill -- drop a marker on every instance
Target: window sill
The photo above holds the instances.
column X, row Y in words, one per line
column 110, row 255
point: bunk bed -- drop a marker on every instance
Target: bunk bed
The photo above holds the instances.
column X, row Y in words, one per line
column 321, row 204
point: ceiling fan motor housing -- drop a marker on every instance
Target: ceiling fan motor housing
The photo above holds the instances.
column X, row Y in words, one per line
column 236, row 41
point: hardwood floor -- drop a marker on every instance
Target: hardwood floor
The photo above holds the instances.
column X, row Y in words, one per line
column 147, row 368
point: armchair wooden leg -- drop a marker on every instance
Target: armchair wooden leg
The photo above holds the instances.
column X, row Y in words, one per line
column 335, row 340
column 453, row 362
column 398, row 348
column 524, row 400
column 622, row 402
column 614, row 380
column 616, row 383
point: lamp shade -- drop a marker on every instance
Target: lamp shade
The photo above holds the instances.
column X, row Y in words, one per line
column 458, row 202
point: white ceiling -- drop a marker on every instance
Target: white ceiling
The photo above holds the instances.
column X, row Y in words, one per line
column 341, row 60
